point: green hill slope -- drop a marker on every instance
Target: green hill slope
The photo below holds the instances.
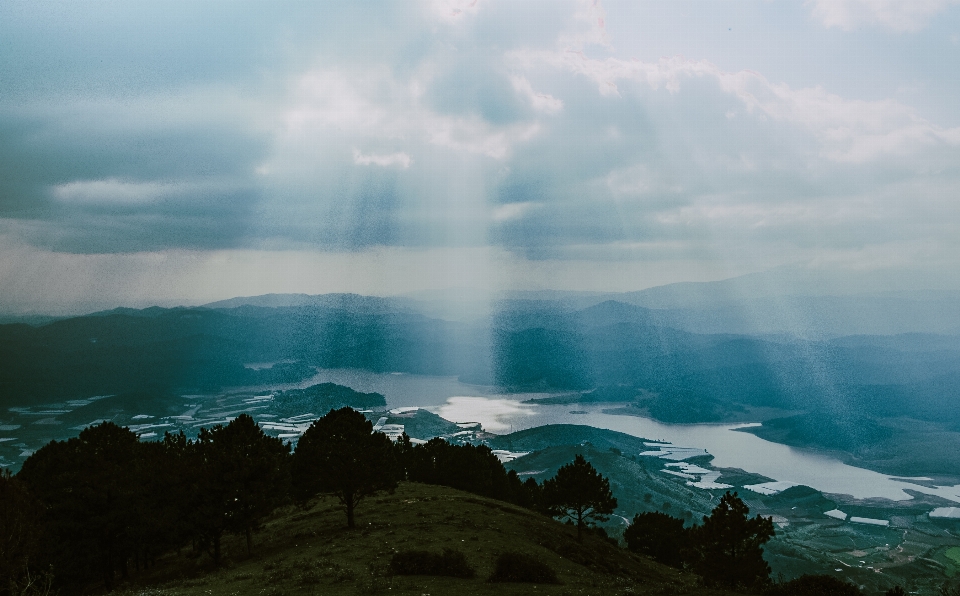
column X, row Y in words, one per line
column 311, row 552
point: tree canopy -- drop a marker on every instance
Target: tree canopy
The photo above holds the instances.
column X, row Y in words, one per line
column 242, row 476
column 659, row 536
column 727, row 548
column 473, row 468
column 87, row 486
column 341, row 455
column 579, row 493
column 89, row 507
column 20, row 529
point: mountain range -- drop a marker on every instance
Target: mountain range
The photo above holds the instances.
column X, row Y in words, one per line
column 690, row 359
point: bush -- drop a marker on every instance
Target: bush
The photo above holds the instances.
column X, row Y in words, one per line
column 659, row 536
column 601, row 532
column 815, row 585
column 452, row 563
column 516, row 567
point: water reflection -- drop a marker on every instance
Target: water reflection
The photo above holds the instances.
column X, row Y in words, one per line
column 494, row 415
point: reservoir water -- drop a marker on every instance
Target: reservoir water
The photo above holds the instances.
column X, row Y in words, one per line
column 501, row 413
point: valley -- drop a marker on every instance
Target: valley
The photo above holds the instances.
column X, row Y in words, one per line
column 647, row 473
column 674, row 418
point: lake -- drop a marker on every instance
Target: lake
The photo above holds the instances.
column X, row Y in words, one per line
column 504, row 413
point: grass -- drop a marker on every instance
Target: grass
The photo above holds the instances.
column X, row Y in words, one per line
column 450, row 562
column 312, row 552
column 521, row 568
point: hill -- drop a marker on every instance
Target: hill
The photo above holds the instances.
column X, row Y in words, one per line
column 312, row 551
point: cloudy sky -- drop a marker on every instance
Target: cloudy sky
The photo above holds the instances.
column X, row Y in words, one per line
column 164, row 152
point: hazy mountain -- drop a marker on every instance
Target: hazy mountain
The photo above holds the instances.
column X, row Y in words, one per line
column 348, row 302
column 653, row 356
column 806, row 303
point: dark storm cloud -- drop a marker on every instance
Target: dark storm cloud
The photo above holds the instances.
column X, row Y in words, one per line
column 130, row 127
column 161, row 186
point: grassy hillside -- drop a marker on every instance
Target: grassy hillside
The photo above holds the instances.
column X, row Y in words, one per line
column 911, row 552
column 311, row 551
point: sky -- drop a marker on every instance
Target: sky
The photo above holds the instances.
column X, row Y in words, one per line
column 180, row 152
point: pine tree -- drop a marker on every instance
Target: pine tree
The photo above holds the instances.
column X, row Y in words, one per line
column 471, row 468
column 85, row 485
column 579, row 493
column 20, row 536
column 242, row 476
column 341, row 455
column 727, row 548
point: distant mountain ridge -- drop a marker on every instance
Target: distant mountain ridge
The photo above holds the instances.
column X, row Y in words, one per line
column 791, row 301
column 344, row 301
column 680, row 353
column 538, row 344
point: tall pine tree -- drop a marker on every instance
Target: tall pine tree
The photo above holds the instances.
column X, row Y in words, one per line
column 86, row 485
column 727, row 547
column 242, row 475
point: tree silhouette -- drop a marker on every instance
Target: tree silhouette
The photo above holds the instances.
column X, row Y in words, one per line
column 579, row 493
column 341, row 455
column 242, row 476
column 20, row 532
column 163, row 498
column 727, row 547
column 659, row 536
column 472, row 468
column 530, row 495
column 85, row 485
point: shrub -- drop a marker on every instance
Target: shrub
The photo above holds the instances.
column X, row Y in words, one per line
column 452, row 563
column 659, row 536
column 517, row 567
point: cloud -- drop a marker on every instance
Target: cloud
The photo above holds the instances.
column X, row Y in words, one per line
column 112, row 191
column 385, row 160
column 375, row 105
column 545, row 138
column 509, row 211
column 543, row 102
column 847, row 130
column 454, row 10
column 592, row 30
column 897, row 15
